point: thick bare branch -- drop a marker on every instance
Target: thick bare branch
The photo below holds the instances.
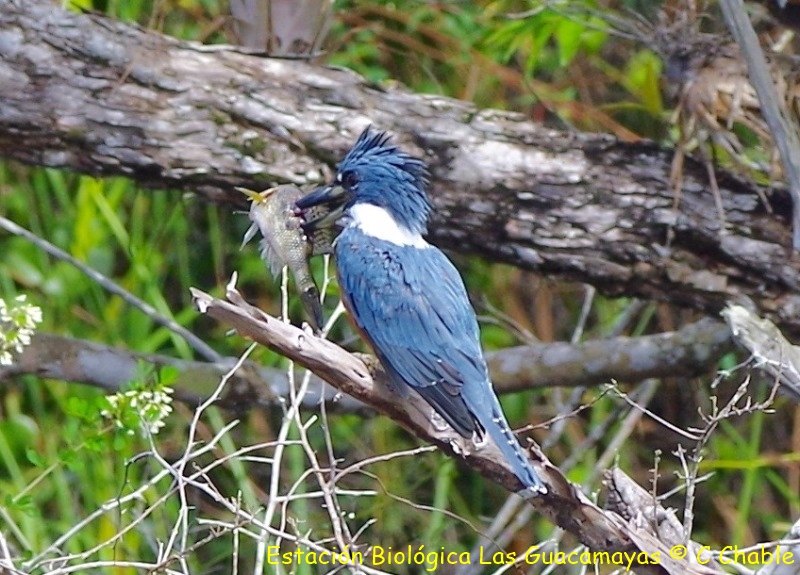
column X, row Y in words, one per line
column 693, row 350
column 111, row 369
column 690, row 351
column 565, row 504
column 102, row 97
column 650, row 519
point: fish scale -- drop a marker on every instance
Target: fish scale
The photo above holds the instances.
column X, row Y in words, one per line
column 285, row 244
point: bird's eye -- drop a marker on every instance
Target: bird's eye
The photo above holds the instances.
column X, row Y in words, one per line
column 348, row 179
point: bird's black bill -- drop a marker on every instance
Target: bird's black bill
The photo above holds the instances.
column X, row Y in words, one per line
column 323, row 195
column 322, row 208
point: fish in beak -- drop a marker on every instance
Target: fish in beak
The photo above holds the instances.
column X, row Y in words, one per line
column 284, row 242
column 322, row 209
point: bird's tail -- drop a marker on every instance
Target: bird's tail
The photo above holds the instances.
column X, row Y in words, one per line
column 498, row 429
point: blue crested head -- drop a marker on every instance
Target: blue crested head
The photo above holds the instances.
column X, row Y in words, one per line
column 377, row 172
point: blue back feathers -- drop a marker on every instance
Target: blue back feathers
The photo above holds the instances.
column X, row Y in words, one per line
column 377, row 172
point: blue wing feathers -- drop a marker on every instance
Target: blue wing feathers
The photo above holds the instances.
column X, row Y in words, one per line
column 413, row 308
column 408, row 322
column 409, row 301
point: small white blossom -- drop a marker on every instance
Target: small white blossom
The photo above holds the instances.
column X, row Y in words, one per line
column 17, row 324
column 151, row 408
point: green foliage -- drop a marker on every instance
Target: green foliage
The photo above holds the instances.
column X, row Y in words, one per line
column 643, row 79
column 545, row 41
column 143, row 408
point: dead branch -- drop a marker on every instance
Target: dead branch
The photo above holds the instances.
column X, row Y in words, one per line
column 565, row 504
column 111, row 369
column 649, row 518
column 690, row 351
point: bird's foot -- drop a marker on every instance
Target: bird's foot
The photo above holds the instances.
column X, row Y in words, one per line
column 460, row 446
column 438, row 422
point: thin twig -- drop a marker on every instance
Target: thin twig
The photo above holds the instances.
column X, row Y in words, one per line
column 198, row 344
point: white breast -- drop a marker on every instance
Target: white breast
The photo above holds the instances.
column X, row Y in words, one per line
column 378, row 222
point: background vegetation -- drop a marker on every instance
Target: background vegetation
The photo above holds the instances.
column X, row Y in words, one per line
column 61, row 459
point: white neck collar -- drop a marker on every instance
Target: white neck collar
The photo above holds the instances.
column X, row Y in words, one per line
column 377, row 222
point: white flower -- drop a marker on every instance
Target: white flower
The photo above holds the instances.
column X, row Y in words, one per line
column 17, row 325
column 150, row 406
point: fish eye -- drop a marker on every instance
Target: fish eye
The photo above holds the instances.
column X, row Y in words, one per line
column 348, row 179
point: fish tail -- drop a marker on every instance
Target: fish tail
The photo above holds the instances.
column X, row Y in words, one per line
column 310, row 297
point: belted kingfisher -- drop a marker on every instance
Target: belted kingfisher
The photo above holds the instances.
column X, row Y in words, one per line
column 407, row 298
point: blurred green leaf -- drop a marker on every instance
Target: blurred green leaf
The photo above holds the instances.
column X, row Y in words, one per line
column 642, row 79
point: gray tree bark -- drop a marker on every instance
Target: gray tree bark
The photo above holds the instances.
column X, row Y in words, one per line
column 691, row 351
column 83, row 92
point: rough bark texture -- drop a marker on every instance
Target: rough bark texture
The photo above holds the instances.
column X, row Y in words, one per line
column 693, row 350
column 102, row 97
column 647, row 518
